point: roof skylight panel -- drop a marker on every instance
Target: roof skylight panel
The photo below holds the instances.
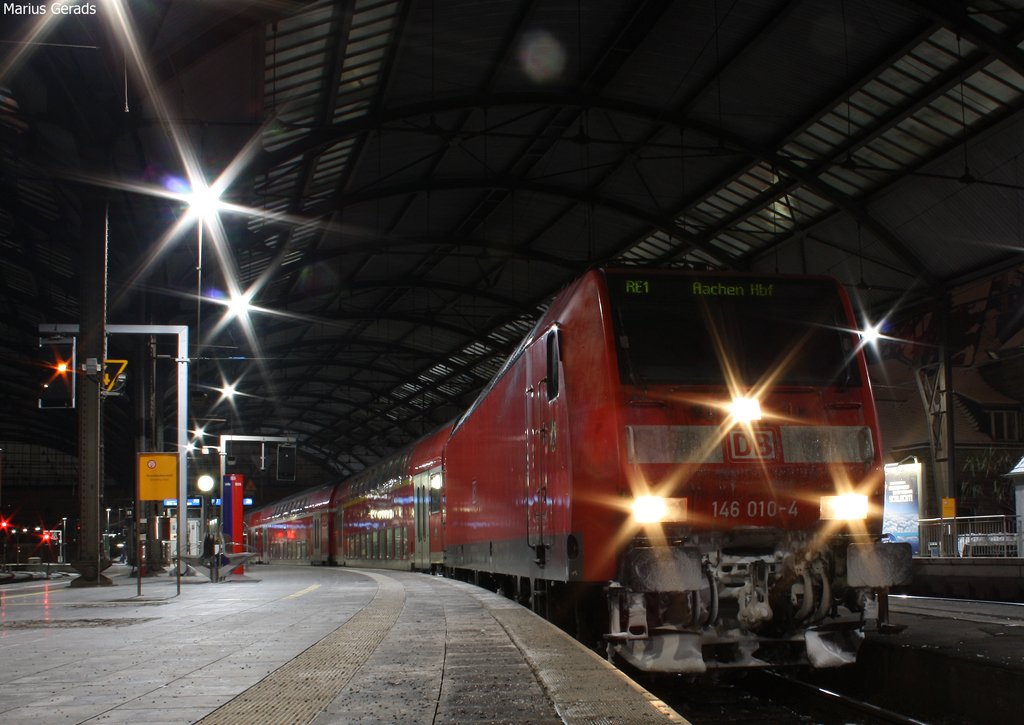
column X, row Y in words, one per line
column 999, row 81
column 18, row 279
column 54, row 260
column 931, row 126
column 809, row 204
column 731, row 244
column 714, row 208
column 37, row 197
column 646, row 250
column 851, row 183
column 369, row 38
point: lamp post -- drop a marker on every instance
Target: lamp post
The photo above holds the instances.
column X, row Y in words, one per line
column 212, row 483
column 205, row 484
column 63, row 535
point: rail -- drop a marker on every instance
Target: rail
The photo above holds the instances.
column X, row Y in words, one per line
column 972, row 536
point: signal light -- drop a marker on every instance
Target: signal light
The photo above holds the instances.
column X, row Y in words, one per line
column 285, row 463
column 58, row 387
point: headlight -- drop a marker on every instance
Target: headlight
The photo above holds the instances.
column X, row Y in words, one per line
column 848, row 507
column 656, row 509
column 745, row 410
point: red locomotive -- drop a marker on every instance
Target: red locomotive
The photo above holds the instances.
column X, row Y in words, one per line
column 688, row 463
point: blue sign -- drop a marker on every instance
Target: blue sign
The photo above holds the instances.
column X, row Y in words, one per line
column 901, row 510
column 189, row 502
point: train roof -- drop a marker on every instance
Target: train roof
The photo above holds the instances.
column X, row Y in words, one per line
column 308, row 500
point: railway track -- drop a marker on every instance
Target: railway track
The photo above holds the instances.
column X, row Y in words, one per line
column 768, row 698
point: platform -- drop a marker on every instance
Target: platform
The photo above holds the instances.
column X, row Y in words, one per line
column 302, row 644
column 955, row 662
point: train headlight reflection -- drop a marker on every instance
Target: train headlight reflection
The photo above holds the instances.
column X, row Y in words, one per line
column 848, row 507
column 657, row 509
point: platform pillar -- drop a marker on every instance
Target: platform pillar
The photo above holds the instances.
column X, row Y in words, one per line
column 91, row 559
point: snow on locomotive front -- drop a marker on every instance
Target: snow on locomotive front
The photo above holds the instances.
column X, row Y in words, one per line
column 751, row 465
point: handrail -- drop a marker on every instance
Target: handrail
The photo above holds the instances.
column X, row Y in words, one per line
column 972, row 536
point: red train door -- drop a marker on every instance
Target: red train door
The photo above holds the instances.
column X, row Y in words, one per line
column 421, row 521
column 543, row 388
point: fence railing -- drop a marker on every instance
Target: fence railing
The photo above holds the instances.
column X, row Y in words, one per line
column 972, row 536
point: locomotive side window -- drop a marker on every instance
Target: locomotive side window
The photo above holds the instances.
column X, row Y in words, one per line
column 693, row 330
column 553, row 356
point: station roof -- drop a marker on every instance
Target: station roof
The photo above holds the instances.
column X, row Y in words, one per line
column 405, row 184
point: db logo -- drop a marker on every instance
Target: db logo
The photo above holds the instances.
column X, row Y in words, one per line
column 752, row 445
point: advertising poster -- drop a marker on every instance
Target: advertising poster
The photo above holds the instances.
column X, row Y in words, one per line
column 902, row 503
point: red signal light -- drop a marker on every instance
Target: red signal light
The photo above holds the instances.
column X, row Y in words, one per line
column 4, row 524
column 46, row 536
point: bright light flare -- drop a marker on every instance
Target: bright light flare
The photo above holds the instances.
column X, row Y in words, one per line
column 658, row 509
column 745, row 409
column 205, row 483
column 871, row 334
column 203, row 201
column 228, row 391
column 845, row 507
column 239, row 305
column 649, row 509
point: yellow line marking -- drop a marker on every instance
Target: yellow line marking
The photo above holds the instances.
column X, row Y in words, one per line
column 5, row 596
column 307, row 590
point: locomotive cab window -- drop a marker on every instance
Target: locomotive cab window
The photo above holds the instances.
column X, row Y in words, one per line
column 681, row 331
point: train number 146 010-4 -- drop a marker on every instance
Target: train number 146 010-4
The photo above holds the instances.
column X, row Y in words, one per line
column 753, row 509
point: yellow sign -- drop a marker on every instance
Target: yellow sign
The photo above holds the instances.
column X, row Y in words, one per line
column 110, row 375
column 949, row 508
column 158, row 476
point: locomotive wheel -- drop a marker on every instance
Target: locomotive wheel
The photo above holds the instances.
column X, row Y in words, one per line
column 539, row 597
column 522, row 590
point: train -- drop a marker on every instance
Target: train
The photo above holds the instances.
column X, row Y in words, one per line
column 684, row 467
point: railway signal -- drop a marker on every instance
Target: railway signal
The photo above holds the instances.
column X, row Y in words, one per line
column 57, row 388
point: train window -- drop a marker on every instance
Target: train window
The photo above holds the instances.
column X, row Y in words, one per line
column 692, row 330
column 436, row 483
column 553, row 356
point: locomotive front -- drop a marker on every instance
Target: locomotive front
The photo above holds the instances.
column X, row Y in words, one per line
column 753, row 471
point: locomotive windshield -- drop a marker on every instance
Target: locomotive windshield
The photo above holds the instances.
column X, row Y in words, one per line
column 691, row 329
